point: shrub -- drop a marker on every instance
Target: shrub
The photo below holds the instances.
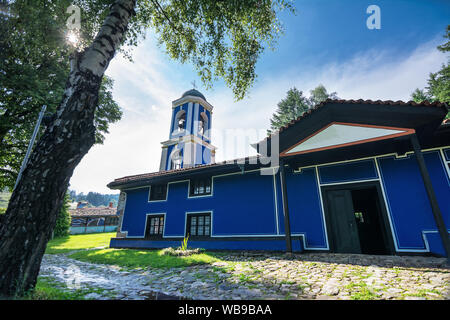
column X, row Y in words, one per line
column 62, row 226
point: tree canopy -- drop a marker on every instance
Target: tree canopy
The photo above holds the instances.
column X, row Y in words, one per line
column 222, row 39
column 34, row 66
column 219, row 38
column 295, row 103
column 438, row 88
column 94, row 198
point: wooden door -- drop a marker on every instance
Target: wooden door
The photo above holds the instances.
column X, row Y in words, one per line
column 342, row 222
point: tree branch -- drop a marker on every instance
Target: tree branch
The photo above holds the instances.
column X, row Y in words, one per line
column 161, row 10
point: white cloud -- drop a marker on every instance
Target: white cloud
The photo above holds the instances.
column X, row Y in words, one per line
column 146, row 88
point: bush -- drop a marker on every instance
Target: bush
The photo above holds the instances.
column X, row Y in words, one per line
column 62, row 226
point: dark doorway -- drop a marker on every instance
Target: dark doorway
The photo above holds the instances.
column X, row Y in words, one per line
column 356, row 220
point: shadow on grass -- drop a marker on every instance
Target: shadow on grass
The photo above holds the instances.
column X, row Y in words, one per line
column 142, row 258
column 79, row 242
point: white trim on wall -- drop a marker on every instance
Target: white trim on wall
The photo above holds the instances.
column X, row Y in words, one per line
column 382, row 186
column 324, row 223
column 275, row 194
column 446, row 164
column 319, row 185
column 387, row 206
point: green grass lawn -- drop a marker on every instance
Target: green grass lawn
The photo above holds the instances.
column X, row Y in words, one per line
column 121, row 257
column 46, row 289
column 79, row 242
column 142, row 258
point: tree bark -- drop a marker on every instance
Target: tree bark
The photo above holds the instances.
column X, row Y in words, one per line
column 35, row 203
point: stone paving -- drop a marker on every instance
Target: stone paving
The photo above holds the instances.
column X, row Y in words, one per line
column 262, row 276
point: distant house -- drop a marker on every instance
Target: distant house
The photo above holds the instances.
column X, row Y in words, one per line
column 93, row 219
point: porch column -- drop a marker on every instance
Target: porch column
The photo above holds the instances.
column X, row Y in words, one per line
column 287, row 225
column 431, row 196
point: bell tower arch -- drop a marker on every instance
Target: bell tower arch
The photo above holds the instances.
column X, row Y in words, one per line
column 189, row 141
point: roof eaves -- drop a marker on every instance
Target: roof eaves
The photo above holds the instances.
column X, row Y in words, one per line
column 148, row 176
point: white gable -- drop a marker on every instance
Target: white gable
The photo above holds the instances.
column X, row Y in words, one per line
column 338, row 134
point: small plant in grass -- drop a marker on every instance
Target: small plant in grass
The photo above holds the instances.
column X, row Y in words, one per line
column 184, row 243
column 177, row 252
column 183, row 250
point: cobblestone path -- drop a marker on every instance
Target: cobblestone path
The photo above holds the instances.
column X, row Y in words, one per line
column 261, row 276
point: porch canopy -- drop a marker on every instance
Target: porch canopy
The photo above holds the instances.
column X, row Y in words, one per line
column 338, row 130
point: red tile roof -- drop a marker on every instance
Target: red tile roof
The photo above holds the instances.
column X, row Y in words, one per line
column 360, row 101
column 93, row 212
column 138, row 177
column 128, row 179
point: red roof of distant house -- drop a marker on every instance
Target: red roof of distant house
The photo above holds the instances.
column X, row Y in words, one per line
column 92, row 212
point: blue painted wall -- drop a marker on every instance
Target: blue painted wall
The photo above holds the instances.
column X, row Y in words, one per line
column 348, row 172
column 305, row 210
column 407, row 198
column 252, row 212
column 250, row 204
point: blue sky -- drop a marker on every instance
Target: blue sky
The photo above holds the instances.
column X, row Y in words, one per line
column 326, row 42
column 336, row 30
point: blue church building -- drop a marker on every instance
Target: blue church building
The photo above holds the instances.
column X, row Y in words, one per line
column 348, row 176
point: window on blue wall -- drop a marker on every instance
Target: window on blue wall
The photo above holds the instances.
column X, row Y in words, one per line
column 155, row 226
column 199, row 225
column 158, row 192
column 201, row 186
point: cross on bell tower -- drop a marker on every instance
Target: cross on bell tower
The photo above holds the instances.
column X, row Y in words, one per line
column 189, row 141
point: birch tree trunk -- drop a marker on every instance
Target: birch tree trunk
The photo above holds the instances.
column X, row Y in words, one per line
column 35, row 203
